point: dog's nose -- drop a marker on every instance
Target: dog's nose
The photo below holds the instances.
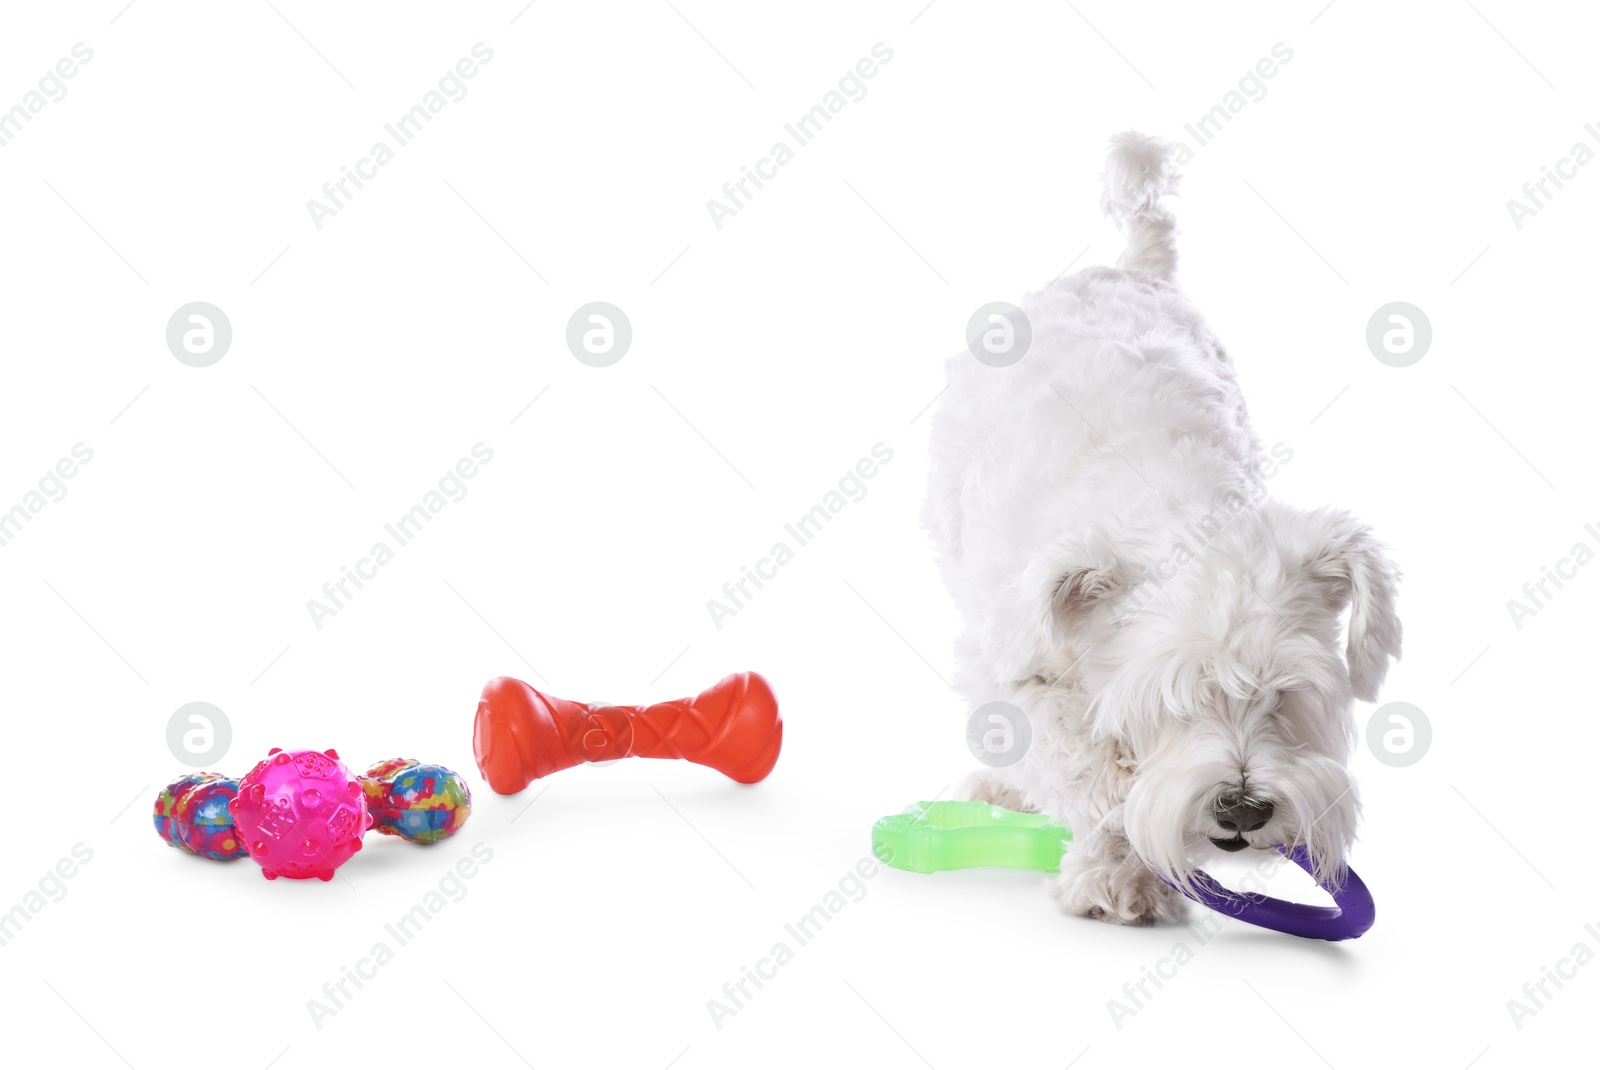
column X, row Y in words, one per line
column 1236, row 813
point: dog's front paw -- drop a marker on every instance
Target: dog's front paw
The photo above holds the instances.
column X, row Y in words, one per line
column 990, row 786
column 1121, row 892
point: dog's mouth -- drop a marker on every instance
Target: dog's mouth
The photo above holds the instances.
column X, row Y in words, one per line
column 1238, row 843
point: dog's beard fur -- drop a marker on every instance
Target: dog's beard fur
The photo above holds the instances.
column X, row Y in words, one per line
column 1230, row 679
column 1270, row 727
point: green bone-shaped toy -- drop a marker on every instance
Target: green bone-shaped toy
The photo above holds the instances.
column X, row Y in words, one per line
column 950, row 834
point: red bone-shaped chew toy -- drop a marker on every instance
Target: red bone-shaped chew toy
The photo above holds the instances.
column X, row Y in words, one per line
column 522, row 734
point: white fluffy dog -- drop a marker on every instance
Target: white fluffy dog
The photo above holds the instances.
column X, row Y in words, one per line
column 1170, row 632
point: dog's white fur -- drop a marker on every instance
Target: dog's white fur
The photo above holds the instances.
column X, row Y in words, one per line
column 1171, row 631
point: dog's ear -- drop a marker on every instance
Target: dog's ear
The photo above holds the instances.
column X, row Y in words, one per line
column 1348, row 562
column 1081, row 591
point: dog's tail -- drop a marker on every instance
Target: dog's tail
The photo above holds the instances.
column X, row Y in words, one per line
column 1139, row 172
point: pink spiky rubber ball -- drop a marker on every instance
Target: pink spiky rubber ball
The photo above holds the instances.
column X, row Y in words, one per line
column 300, row 814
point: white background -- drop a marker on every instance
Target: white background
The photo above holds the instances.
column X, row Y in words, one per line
column 768, row 357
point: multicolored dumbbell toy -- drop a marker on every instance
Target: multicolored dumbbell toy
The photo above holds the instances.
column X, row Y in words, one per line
column 192, row 815
column 521, row 734
column 302, row 814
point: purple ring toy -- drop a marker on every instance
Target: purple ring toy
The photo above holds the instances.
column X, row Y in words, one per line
column 1350, row 916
